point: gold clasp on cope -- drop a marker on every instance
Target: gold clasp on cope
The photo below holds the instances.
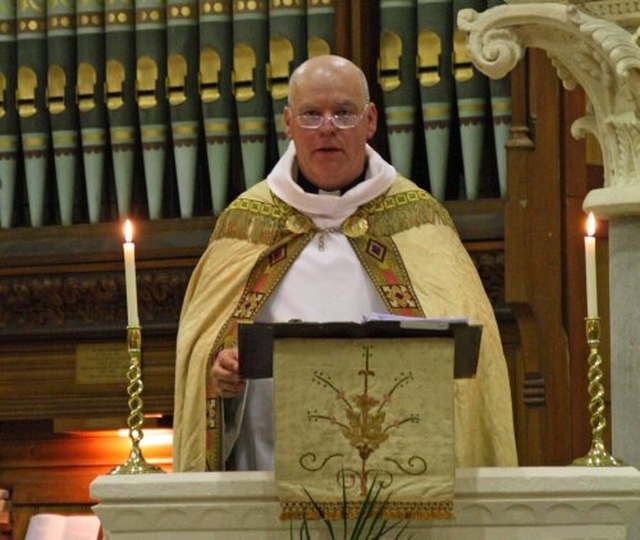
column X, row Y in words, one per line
column 355, row 226
column 352, row 227
column 299, row 224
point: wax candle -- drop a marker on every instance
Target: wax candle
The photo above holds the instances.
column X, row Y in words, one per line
column 590, row 260
column 130, row 276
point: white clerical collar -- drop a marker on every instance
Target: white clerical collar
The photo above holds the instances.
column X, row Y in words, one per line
column 378, row 178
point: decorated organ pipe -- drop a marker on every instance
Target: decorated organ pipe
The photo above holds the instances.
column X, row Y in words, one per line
column 320, row 30
column 396, row 75
column 90, row 99
column 453, row 95
column 471, row 99
column 63, row 114
column 182, row 92
column 100, row 98
column 153, row 115
column 250, row 57
column 435, row 37
column 214, row 79
column 287, row 50
column 120, row 70
column 500, row 90
column 9, row 130
column 31, row 103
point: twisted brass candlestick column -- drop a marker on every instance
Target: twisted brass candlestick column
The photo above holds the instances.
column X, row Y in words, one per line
column 598, row 455
column 136, row 463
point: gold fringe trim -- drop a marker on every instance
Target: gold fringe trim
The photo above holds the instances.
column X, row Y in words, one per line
column 255, row 221
column 391, row 214
column 396, row 511
column 263, row 222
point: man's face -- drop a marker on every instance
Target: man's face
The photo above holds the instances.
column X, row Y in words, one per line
column 330, row 157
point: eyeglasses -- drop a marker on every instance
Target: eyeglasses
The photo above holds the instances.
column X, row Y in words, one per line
column 340, row 119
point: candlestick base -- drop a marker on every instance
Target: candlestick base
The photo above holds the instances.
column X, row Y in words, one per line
column 136, row 463
column 598, row 455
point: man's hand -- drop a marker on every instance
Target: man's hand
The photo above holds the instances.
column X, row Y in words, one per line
column 226, row 379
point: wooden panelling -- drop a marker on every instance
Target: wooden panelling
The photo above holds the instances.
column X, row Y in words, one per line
column 51, row 472
column 69, row 281
column 39, row 380
column 533, row 266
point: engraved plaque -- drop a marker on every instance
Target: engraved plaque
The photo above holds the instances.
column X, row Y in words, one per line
column 101, row 363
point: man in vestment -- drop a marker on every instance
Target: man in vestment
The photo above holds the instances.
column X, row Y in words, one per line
column 332, row 234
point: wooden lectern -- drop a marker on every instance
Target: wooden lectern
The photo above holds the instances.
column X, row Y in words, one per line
column 256, row 340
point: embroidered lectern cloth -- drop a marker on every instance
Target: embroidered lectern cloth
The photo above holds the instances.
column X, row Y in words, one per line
column 353, row 412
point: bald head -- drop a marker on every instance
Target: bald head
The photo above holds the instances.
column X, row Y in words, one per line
column 325, row 71
column 330, row 155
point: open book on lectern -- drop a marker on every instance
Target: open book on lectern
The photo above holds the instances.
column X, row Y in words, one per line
column 255, row 340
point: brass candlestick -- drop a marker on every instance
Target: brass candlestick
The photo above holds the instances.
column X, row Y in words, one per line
column 598, row 455
column 136, row 463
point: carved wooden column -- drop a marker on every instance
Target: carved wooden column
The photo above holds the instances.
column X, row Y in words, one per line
column 533, row 284
column 591, row 46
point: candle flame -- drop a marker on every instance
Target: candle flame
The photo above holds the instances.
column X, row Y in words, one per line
column 591, row 224
column 128, row 231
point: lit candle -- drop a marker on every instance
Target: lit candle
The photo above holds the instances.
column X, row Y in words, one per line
column 130, row 276
column 590, row 260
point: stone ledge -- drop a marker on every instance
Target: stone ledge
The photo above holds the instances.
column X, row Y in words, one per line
column 502, row 503
column 614, row 201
